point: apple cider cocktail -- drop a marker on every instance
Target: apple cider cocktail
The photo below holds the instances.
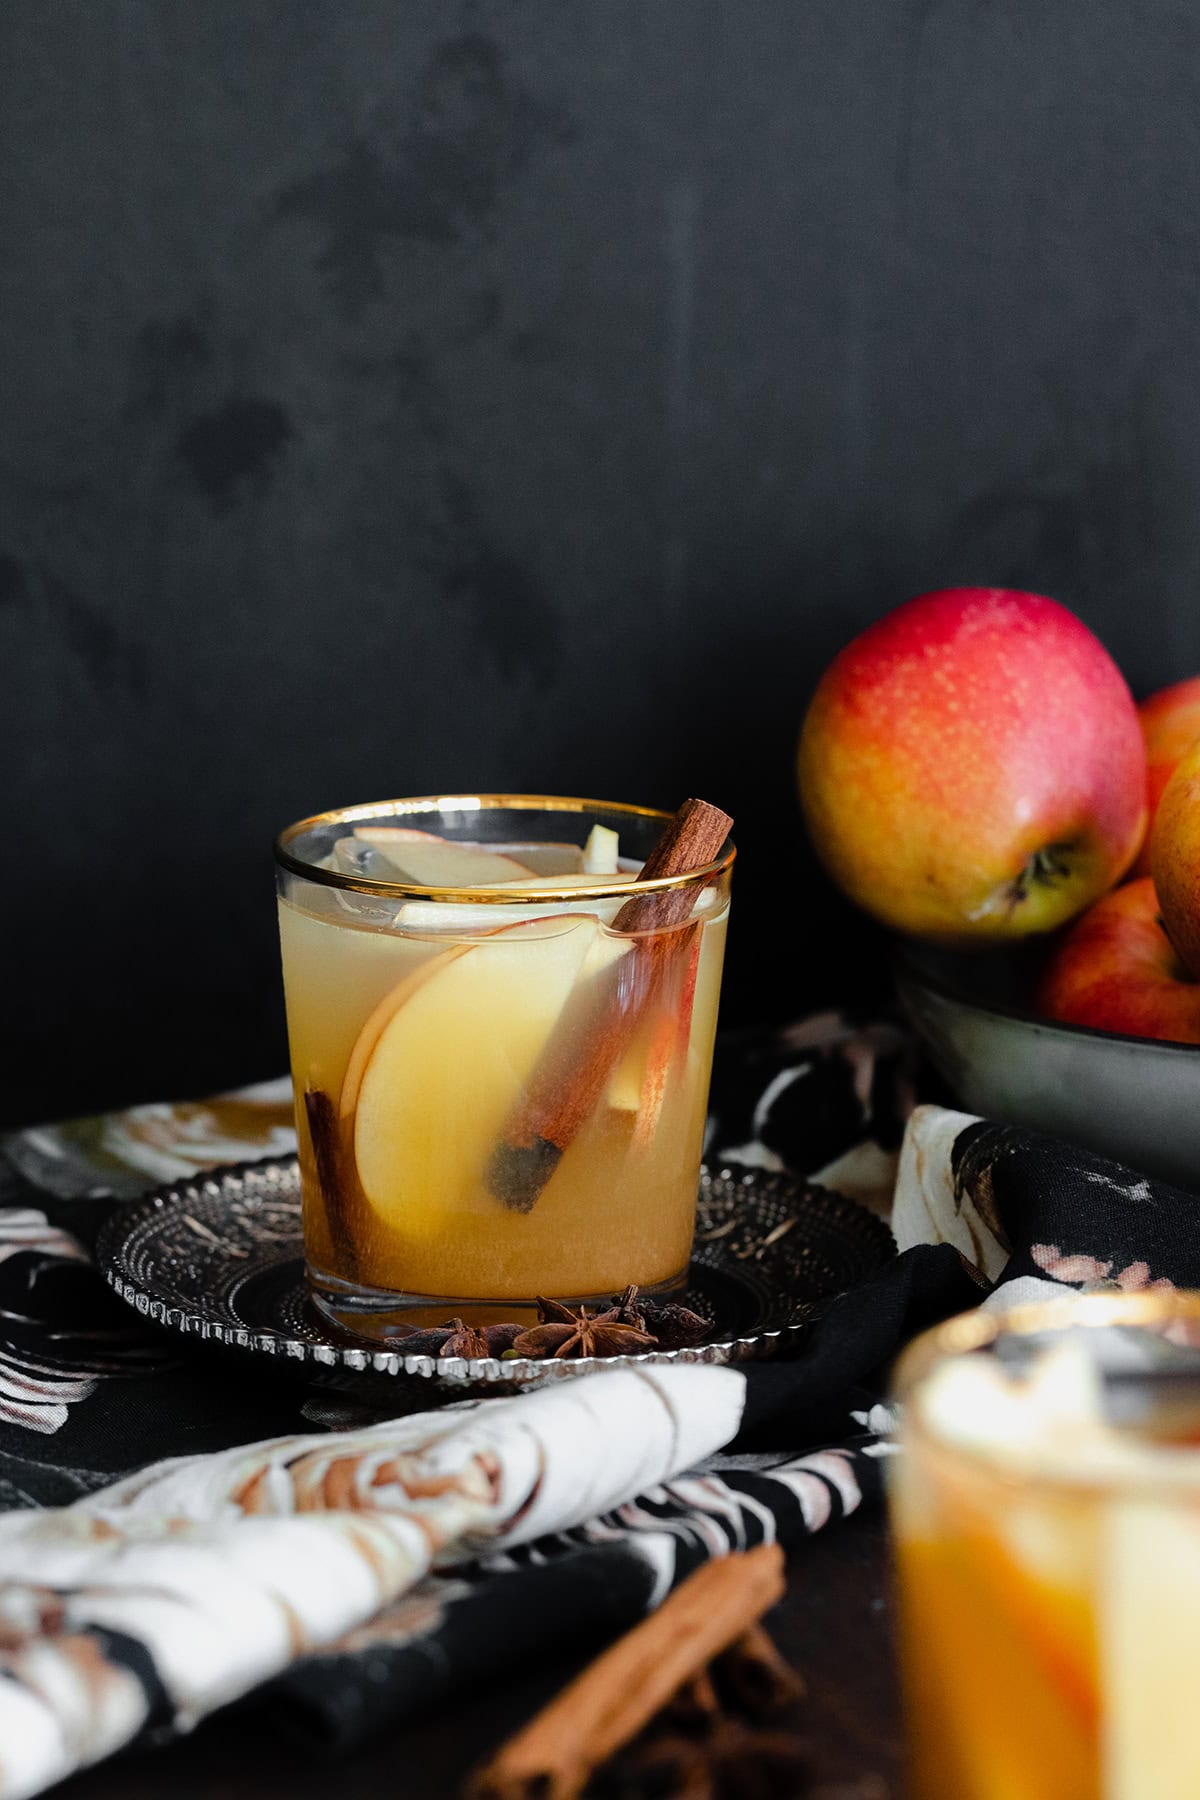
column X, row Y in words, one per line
column 1046, row 1516
column 501, row 1022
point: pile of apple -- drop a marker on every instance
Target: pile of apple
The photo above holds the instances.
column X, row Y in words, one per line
column 973, row 770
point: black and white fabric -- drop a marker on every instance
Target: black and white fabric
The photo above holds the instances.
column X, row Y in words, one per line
column 179, row 1535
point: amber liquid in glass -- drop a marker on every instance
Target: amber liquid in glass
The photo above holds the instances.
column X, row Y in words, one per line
column 417, row 1042
column 1050, row 1613
column 997, row 1636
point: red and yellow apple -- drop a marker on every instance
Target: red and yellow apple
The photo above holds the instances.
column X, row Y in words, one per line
column 1116, row 970
column 1175, row 858
column 971, row 767
column 1170, row 726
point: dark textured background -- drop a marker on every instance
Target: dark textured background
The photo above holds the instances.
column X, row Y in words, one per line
column 534, row 394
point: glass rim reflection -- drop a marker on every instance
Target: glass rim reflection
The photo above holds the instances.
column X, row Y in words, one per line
column 420, row 805
column 1169, row 1470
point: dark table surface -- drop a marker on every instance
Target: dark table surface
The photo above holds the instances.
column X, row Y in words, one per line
column 835, row 1626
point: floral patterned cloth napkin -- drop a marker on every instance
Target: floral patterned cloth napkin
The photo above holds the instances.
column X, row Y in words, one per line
column 176, row 1533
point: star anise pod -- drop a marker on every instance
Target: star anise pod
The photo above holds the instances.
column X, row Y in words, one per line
column 676, row 1327
column 553, row 1312
column 728, row 1759
column 628, row 1309
column 756, row 1677
column 563, row 1333
column 464, row 1340
column 696, row 1705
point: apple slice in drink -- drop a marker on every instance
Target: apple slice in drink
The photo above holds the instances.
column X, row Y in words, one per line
column 672, row 1035
column 639, row 1082
column 533, row 859
column 548, row 884
column 443, row 1060
column 547, row 858
column 434, row 916
column 377, row 1023
column 431, row 862
column 1149, row 1646
column 601, row 853
column 397, row 834
column 627, row 1083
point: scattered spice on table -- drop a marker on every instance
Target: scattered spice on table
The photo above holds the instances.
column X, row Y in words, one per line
column 702, row 1749
column 628, row 1326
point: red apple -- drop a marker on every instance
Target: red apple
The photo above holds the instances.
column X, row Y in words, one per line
column 1170, row 725
column 971, row 767
column 1116, row 970
column 1175, row 857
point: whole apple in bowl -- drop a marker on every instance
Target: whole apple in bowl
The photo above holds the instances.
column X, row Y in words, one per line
column 1130, row 1097
column 1116, row 970
column 972, row 769
column 973, row 772
column 1170, row 722
column 1175, row 858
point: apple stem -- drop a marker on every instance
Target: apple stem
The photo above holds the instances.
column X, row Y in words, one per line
column 1045, row 867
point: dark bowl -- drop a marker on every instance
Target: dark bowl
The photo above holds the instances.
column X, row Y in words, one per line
column 1134, row 1099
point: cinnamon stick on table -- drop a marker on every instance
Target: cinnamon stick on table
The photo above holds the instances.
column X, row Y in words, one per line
column 606, row 1706
column 600, row 1018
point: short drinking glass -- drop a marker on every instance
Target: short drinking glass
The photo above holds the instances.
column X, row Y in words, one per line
column 1046, row 1517
column 501, row 1046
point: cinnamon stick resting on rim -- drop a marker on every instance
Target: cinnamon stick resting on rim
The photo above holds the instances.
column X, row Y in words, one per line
column 600, row 1018
column 619, row 1693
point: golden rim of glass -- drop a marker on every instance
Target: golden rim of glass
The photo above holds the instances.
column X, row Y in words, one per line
column 978, row 1329
column 378, row 810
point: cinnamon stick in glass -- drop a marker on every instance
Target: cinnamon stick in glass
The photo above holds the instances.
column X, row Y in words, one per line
column 331, row 1177
column 602, row 1709
column 599, row 1020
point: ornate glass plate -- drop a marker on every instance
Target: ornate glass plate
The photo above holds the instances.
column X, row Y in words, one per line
column 221, row 1258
